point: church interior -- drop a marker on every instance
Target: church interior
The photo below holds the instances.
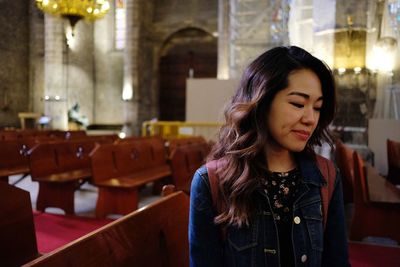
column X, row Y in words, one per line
column 108, row 107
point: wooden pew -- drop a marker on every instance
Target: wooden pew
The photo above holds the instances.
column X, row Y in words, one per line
column 344, row 161
column 120, row 169
column 172, row 144
column 23, row 134
column 79, row 134
column 154, row 236
column 14, row 152
column 131, row 139
column 12, row 159
column 60, row 167
column 393, row 154
column 185, row 160
column 17, row 231
column 28, row 133
column 102, row 139
column 376, row 204
column 8, row 135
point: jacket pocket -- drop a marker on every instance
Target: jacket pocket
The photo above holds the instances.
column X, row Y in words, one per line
column 312, row 214
column 242, row 244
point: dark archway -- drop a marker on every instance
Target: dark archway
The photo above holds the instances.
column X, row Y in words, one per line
column 190, row 52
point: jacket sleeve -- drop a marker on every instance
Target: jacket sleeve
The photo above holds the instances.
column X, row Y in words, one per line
column 205, row 246
column 335, row 239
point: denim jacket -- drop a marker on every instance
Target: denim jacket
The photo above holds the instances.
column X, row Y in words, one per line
column 258, row 244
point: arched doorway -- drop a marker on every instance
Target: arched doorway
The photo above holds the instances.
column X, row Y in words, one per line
column 188, row 53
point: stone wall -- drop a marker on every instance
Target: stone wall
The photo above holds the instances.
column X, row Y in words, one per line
column 162, row 20
column 92, row 73
column 36, row 59
column 14, row 58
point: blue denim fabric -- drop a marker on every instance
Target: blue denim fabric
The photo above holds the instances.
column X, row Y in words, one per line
column 258, row 244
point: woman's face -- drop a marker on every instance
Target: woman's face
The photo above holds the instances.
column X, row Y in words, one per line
column 294, row 112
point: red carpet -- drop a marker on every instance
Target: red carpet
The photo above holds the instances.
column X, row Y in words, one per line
column 365, row 255
column 54, row 231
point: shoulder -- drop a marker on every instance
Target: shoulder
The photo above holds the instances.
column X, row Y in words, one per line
column 202, row 172
column 317, row 169
column 200, row 191
column 200, row 179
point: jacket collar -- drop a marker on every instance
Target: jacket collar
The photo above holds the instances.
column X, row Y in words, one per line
column 309, row 170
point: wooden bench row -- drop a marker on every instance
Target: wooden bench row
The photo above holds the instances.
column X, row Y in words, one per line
column 185, row 160
column 23, row 134
column 373, row 197
column 153, row 236
column 14, row 148
column 393, row 154
column 117, row 169
column 120, row 169
column 59, row 168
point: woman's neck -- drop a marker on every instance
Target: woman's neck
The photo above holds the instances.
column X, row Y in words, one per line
column 280, row 160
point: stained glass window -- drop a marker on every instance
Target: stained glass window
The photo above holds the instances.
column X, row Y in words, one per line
column 120, row 24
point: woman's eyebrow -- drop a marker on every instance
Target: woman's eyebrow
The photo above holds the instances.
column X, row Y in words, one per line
column 304, row 95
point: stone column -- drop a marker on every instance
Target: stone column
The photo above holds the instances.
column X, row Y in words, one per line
column 131, row 90
column 55, row 73
column 223, row 39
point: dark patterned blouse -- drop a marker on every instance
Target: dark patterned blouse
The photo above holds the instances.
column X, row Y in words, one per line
column 281, row 189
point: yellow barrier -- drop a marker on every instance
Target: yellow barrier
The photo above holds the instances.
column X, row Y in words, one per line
column 179, row 129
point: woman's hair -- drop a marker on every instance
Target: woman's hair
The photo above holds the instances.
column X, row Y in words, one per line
column 243, row 137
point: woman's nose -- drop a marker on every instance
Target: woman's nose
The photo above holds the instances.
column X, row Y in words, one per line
column 310, row 116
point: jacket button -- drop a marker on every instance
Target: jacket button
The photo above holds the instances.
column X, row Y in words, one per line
column 296, row 220
column 270, row 251
column 304, row 258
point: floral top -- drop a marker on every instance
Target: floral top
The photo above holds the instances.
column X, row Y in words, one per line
column 281, row 189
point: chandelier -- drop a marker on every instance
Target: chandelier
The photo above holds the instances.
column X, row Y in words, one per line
column 74, row 10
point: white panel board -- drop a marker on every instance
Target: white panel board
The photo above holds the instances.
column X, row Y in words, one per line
column 378, row 131
column 206, row 99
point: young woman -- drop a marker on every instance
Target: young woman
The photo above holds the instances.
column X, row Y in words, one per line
column 268, row 177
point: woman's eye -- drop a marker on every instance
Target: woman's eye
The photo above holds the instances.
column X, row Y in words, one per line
column 297, row 105
column 317, row 109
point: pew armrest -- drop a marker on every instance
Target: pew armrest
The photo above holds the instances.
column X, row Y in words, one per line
column 138, row 178
column 65, row 176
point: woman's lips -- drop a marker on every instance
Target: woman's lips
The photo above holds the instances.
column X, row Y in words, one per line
column 302, row 135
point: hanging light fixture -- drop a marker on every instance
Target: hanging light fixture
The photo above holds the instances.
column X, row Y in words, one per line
column 74, row 10
column 385, row 48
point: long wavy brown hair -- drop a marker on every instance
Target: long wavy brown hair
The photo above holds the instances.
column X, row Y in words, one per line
column 242, row 139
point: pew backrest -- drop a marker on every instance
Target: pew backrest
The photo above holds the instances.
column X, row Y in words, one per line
column 154, row 236
column 122, row 159
column 393, row 154
column 345, row 163
column 361, row 194
column 12, row 158
column 172, row 144
column 59, row 156
column 185, row 160
column 79, row 134
column 17, row 232
column 156, row 143
column 12, row 153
